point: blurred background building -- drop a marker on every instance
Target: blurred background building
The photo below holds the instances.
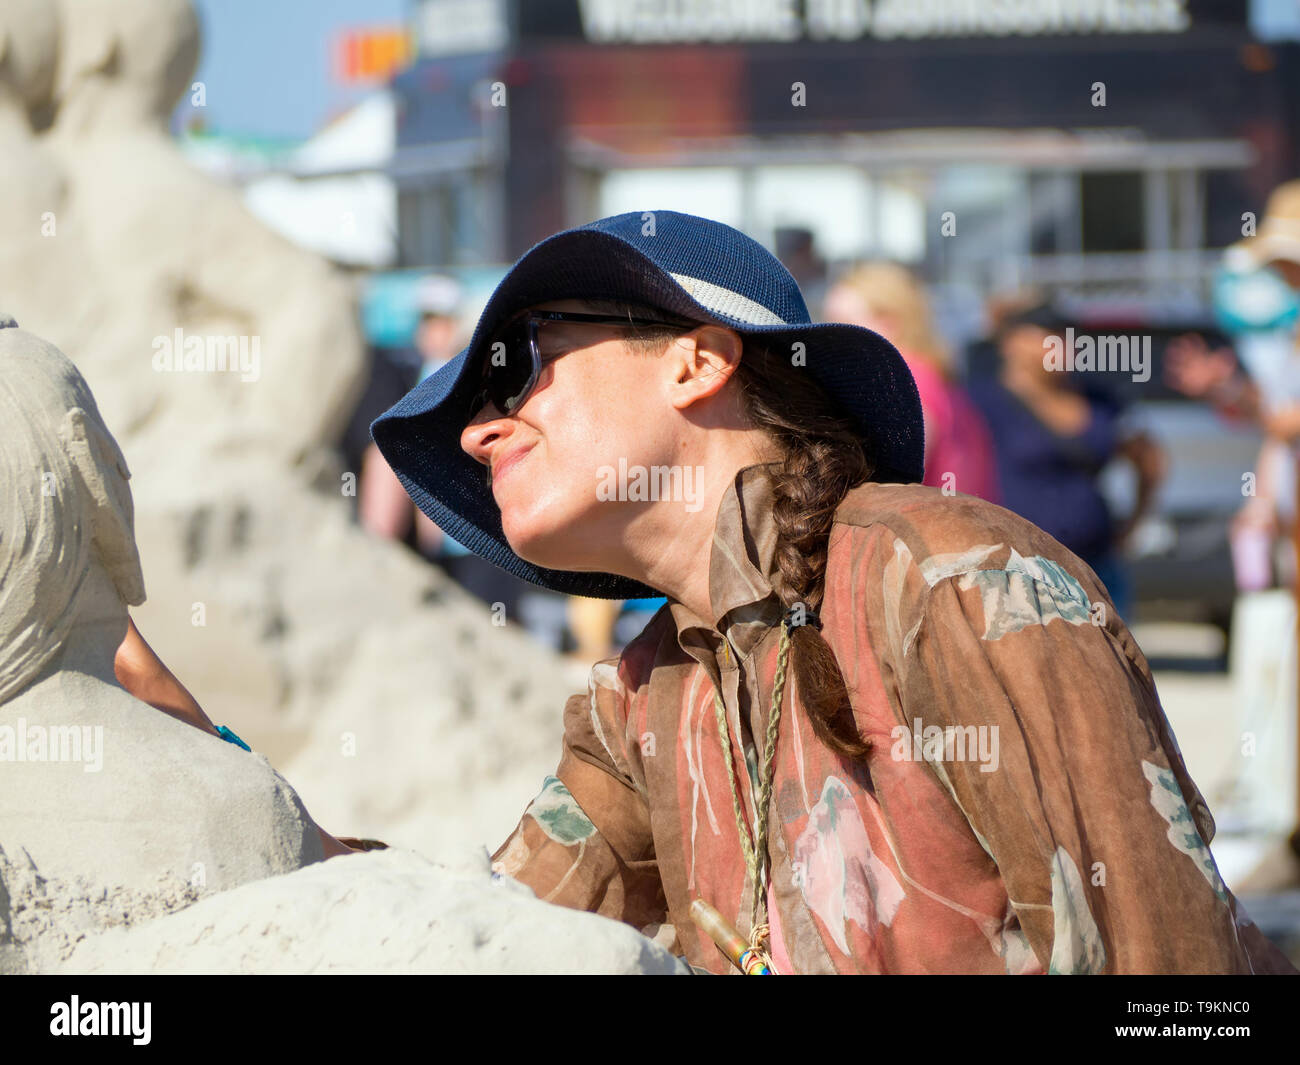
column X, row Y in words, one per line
column 1103, row 149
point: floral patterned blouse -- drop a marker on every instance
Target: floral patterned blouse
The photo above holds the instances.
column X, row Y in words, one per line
column 1024, row 808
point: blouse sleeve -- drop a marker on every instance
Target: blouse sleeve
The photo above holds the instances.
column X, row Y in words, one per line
column 1050, row 738
column 585, row 840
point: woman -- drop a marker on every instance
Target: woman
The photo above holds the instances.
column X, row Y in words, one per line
column 888, row 299
column 1053, row 436
column 870, row 724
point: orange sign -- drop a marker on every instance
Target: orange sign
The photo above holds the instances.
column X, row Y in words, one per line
column 372, row 54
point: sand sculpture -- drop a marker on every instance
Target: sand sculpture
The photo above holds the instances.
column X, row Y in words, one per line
column 113, row 813
column 91, row 779
column 268, row 338
column 382, row 691
column 34, row 187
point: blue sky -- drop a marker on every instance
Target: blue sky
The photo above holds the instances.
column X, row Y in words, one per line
column 267, row 64
column 1275, row 18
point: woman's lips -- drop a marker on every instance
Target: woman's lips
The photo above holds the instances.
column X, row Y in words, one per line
column 508, row 462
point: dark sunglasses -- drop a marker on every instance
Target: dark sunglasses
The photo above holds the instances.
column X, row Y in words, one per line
column 514, row 360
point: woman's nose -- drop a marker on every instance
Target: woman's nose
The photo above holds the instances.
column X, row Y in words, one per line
column 484, row 431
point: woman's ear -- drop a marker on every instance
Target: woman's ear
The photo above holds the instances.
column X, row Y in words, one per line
column 703, row 361
column 102, row 470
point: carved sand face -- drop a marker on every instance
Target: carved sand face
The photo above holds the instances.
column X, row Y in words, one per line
column 68, row 506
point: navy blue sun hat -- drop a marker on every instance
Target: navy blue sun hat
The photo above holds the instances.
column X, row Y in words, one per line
column 692, row 268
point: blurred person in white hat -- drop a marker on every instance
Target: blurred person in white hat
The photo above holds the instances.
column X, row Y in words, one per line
column 1271, row 399
column 439, row 300
column 1193, row 368
column 1277, row 243
column 384, row 508
column 1257, row 299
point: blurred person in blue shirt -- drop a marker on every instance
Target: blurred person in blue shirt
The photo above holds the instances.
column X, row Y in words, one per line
column 1053, row 434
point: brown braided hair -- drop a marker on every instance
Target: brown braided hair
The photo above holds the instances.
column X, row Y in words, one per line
column 824, row 456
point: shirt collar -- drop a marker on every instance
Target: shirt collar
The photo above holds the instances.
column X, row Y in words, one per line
column 740, row 568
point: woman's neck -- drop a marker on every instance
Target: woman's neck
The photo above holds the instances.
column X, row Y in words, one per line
column 670, row 547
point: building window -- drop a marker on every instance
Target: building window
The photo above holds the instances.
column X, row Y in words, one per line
column 1112, row 211
column 445, row 222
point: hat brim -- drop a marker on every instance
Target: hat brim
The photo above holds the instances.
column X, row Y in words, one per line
column 420, row 435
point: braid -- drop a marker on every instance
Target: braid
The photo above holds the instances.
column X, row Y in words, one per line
column 823, row 459
column 809, row 487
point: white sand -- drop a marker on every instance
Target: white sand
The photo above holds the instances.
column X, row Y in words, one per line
column 43, row 919
column 379, row 912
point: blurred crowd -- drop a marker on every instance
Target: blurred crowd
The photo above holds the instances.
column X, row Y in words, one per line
column 1000, row 423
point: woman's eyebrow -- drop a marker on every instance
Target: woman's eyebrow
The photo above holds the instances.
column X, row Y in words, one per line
column 550, row 345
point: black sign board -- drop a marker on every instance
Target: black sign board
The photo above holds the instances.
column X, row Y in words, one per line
column 771, row 21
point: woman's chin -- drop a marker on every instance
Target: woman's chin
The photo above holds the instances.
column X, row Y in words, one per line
column 553, row 531
column 532, row 541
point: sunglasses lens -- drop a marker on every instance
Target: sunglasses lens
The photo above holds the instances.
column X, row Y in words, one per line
column 508, row 370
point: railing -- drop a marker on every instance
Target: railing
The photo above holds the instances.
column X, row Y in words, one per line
column 1181, row 280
